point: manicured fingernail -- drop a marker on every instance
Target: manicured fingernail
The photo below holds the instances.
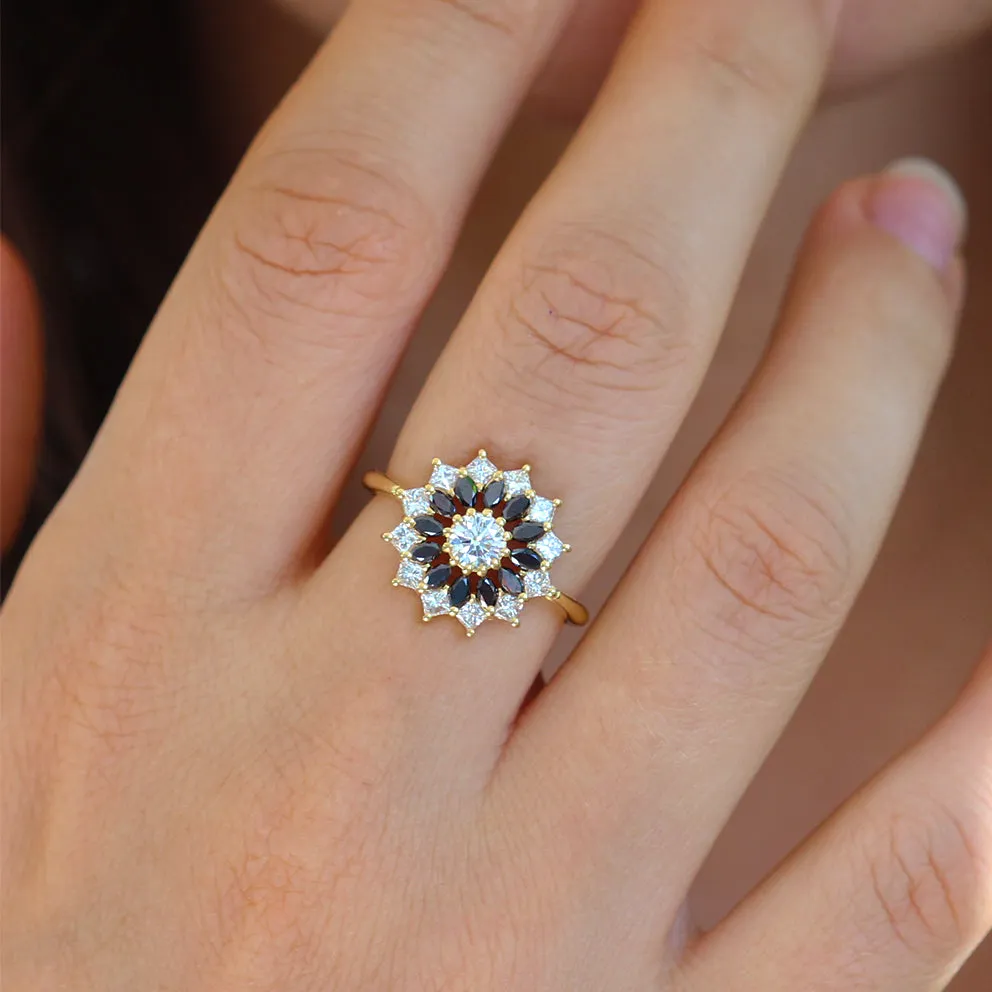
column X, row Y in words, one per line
column 918, row 202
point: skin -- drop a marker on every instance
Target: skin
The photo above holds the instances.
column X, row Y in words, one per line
column 167, row 646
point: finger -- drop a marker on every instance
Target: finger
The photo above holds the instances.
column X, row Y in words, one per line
column 589, row 337
column 694, row 668
column 882, row 36
column 267, row 360
column 893, row 894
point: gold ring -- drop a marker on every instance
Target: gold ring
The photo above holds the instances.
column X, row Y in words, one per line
column 477, row 543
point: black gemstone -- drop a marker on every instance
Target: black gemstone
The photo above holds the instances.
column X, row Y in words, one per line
column 444, row 504
column 425, row 552
column 488, row 592
column 526, row 558
column 428, row 526
column 460, row 591
column 510, row 582
column 525, row 532
column 493, row 493
column 437, row 577
column 516, row 508
column 465, row 490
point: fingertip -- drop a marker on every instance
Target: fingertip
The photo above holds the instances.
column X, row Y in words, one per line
column 918, row 203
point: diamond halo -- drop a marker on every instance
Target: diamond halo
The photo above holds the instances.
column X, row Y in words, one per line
column 476, row 543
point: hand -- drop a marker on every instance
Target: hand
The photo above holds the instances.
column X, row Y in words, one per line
column 236, row 762
column 873, row 37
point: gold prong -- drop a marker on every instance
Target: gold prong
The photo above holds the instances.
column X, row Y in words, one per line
column 435, row 461
column 526, row 468
column 395, row 583
column 482, row 453
column 469, row 633
column 568, row 547
column 514, row 623
column 487, row 512
column 557, row 502
column 385, row 537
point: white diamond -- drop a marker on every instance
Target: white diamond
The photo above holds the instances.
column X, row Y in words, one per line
column 416, row 502
column 549, row 547
column 410, row 574
column 542, row 511
column 436, row 602
column 509, row 607
column 404, row 538
column 537, row 583
column 517, row 482
column 477, row 542
column 444, row 477
column 481, row 470
column 471, row 615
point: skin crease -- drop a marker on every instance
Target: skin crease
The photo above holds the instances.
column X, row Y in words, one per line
column 879, row 688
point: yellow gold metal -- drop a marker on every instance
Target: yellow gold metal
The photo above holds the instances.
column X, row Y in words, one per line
column 575, row 612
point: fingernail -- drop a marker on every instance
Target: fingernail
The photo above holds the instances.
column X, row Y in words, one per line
column 918, row 202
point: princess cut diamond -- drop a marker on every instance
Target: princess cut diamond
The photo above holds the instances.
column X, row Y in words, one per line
column 537, row 584
column 436, row 602
column 517, row 482
column 410, row 574
column 481, row 470
column 416, row 502
column 542, row 511
column 549, row 547
column 444, row 477
column 471, row 615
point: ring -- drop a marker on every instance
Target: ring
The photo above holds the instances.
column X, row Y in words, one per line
column 476, row 543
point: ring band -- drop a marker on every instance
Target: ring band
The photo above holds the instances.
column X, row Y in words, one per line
column 476, row 543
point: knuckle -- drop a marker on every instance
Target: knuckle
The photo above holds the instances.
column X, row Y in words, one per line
column 772, row 558
column 744, row 58
column 925, row 876
column 505, row 17
column 589, row 316
column 324, row 236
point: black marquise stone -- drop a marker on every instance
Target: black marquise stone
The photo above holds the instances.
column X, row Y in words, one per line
column 428, row 526
column 425, row 552
column 488, row 592
column 460, row 591
column 511, row 582
column 525, row 532
column 437, row 577
column 444, row 504
column 526, row 558
column 493, row 493
column 465, row 490
column 516, row 508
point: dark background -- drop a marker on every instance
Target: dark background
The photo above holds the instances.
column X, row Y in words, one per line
column 106, row 181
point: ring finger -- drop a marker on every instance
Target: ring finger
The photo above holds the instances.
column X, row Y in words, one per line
column 588, row 339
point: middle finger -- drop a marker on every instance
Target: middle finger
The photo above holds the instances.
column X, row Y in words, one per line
column 588, row 339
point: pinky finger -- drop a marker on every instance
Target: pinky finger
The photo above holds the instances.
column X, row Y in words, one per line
column 892, row 895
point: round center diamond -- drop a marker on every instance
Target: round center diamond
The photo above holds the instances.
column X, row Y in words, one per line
column 477, row 542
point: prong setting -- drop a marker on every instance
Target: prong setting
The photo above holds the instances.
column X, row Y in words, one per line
column 459, row 527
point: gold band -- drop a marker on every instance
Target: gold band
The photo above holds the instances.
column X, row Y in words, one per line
column 574, row 611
